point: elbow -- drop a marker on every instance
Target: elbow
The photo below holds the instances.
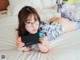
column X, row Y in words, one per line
column 45, row 51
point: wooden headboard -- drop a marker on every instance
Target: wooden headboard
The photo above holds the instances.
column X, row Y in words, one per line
column 3, row 4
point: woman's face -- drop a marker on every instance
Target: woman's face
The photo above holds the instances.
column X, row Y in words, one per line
column 32, row 24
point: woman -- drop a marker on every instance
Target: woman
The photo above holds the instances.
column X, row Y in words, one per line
column 30, row 23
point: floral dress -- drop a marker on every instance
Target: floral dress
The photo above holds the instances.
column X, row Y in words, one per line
column 52, row 30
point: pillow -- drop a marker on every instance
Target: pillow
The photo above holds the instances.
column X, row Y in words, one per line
column 8, row 11
column 8, row 35
column 48, row 3
column 3, row 4
column 16, row 7
column 36, row 4
column 46, row 14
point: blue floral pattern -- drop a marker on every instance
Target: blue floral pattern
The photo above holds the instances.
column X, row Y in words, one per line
column 71, row 11
column 52, row 30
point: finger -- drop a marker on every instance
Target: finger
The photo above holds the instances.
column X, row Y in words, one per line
column 18, row 46
column 21, row 48
column 27, row 49
column 19, row 39
column 41, row 40
column 21, row 44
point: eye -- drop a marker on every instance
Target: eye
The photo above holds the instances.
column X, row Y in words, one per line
column 36, row 19
column 28, row 22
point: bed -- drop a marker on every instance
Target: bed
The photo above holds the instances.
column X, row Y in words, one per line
column 66, row 47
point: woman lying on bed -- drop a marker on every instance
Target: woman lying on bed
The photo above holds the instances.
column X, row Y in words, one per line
column 30, row 23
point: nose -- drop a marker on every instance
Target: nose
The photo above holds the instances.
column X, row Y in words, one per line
column 33, row 24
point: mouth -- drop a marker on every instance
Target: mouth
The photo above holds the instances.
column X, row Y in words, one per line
column 34, row 30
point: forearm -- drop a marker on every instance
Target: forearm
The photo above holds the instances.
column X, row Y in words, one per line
column 43, row 48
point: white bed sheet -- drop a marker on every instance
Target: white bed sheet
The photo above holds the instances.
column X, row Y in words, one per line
column 66, row 47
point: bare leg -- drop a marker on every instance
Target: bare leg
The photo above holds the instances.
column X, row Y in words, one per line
column 43, row 48
column 66, row 24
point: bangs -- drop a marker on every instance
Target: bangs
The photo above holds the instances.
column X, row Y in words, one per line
column 32, row 14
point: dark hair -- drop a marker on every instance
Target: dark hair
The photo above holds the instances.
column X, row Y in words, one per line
column 23, row 14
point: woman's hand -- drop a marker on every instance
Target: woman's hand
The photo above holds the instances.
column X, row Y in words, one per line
column 44, row 47
column 20, row 43
column 21, row 46
column 44, row 40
